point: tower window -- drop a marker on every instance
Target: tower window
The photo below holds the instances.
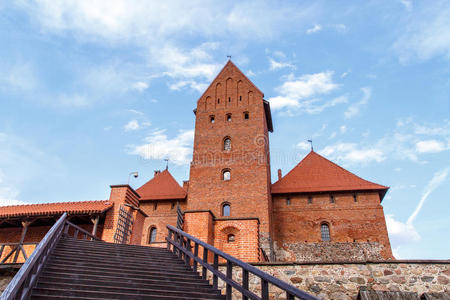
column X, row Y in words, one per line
column 227, row 144
column 226, row 175
column 211, row 119
column 226, row 210
column 218, row 100
column 152, row 235
column 228, row 117
column 288, row 201
column 332, row 199
column 355, row 197
column 310, row 199
column 231, row 238
column 155, row 206
column 246, row 116
column 229, row 99
column 325, row 232
column 240, row 98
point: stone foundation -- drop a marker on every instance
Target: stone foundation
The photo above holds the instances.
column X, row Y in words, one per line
column 343, row 280
column 329, row 251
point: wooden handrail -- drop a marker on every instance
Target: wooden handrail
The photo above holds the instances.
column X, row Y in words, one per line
column 23, row 282
column 181, row 242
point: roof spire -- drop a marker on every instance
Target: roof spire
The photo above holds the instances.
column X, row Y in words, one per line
column 167, row 163
column 311, row 142
column 229, row 57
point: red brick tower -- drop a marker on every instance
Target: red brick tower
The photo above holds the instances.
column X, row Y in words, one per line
column 230, row 171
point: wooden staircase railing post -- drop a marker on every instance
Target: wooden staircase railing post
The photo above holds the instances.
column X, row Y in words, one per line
column 205, row 260
column 195, row 255
column 229, row 277
column 264, row 289
column 244, row 282
column 216, row 267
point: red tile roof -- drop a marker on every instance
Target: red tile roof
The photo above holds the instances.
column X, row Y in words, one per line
column 81, row 207
column 315, row 173
column 162, row 186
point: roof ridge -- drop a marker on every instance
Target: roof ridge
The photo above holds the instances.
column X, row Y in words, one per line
column 49, row 203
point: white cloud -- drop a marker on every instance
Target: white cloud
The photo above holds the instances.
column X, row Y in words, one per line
column 351, row 153
column 407, row 4
column 18, row 77
column 302, row 92
column 341, row 28
column 343, row 129
column 140, row 86
column 314, row 29
column 430, row 146
column 135, row 125
column 159, row 146
column 438, row 178
column 276, row 65
column 427, row 33
column 355, row 108
column 399, row 232
column 303, row 146
column 132, row 125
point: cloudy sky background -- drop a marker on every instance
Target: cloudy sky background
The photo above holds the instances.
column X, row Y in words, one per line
column 92, row 90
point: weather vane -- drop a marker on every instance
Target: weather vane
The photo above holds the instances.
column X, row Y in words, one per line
column 167, row 163
column 312, row 148
column 229, row 56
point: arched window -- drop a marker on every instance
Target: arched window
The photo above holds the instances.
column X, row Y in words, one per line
column 325, row 232
column 226, row 175
column 226, row 210
column 227, row 144
column 211, row 119
column 152, row 235
column 246, row 116
column 231, row 238
column 228, row 117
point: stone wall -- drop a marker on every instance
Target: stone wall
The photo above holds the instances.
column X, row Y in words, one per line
column 343, row 280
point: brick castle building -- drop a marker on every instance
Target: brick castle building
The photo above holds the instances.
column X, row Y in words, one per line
column 316, row 212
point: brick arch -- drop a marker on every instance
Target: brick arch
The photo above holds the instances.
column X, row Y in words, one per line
column 233, row 248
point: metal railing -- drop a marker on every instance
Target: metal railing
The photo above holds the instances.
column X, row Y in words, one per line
column 181, row 244
column 23, row 282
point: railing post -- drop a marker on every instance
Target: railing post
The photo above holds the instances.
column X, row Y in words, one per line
column 195, row 256
column 216, row 267
column 75, row 234
column 229, row 277
column 187, row 258
column 264, row 289
column 205, row 260
column 169, row 237
column 244, row 282
column 289, row 296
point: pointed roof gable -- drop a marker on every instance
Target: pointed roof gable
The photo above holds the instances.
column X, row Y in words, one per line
column 162, row 186
column 230, row 65
column 315, row 173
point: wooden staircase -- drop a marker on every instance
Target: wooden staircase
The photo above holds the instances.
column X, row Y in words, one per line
column 81, row 269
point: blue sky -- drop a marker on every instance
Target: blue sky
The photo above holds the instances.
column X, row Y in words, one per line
column 92, row 90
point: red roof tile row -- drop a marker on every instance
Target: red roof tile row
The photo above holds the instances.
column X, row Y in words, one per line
column 81, row 207
column 315, row 173
column 161, row 187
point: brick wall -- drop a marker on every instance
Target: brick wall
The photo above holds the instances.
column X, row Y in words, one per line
column 160, row 214
column 245, row 245
column 357, row 229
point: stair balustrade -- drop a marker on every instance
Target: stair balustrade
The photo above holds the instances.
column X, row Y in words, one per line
column 180, row 243
column 23, row 282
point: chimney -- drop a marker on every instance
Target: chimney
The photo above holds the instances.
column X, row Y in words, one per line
column 157, row 172
column 279, row 174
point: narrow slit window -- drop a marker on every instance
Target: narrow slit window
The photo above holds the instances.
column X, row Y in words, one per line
column 226, row 210
column 231, row 238
column 152, row 235
column 355, row 198
column 226, row 175
column 288, row 201
column 227, row 144
column 211, row 119
column 218, row 100
column 325, row 232
column 228, row 117
column 240, row 98
column 229, row 99
column 332, row 199
column 246, row 116
column 310, row 200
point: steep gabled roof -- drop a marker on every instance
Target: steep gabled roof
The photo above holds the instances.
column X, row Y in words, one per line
column 315, row 173
column 74, row 208
column 231, row 65
column 162, row 186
